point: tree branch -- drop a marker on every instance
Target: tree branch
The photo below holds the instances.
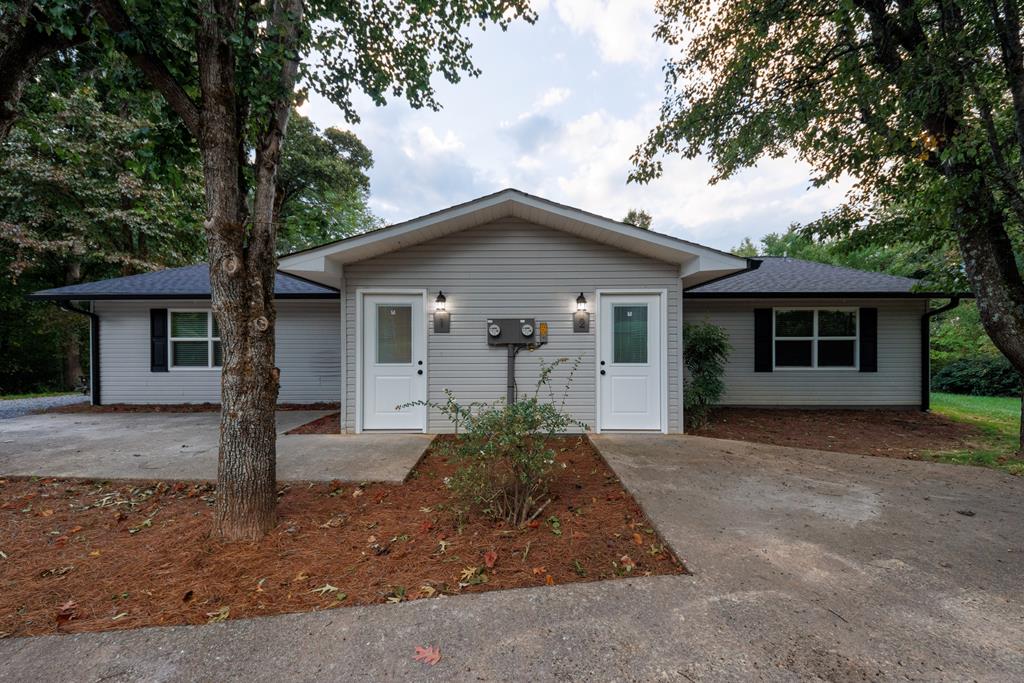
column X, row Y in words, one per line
column 152, row 66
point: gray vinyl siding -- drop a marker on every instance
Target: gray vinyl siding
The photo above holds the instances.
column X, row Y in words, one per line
column 897, row 381
column 512, row 269
column 308, row 354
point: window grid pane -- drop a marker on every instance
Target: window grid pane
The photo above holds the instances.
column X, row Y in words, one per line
column 836, row 353
column 793, row 354
column 837, row 324
column 629, row 327
column 394, row 334
column 218, row 354
column 191, row 354
column 794, row 323
column 189, row 324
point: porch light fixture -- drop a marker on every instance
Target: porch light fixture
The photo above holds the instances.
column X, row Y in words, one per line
column 581, row 318
column 442, row 321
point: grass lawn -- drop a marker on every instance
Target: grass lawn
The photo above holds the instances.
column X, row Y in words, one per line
column 997, row 417
column 11, row 397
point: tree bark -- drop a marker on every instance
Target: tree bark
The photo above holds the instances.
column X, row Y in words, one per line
column 242, row 299
column 991, row 268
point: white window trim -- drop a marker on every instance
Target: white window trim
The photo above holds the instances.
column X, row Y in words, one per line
column 815, row 338
column 209, row 339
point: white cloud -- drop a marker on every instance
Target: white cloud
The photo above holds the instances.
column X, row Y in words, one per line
column 622, row 28
column 431, row 143
column 552, row 97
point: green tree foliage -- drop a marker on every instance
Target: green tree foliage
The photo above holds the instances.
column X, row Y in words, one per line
column 92, row 185
column 639, row 218
column 920, row 103
column 322, row 186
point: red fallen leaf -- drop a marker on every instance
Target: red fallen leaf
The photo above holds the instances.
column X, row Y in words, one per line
column 379, row 498
column 60, row 541
column 637, row 538
column 533, row 523
column 550, row 580
column 428, row 655
column 66, row 611
column 538, row 570
column 425, row 526
column 490, row 557
column 74, row 529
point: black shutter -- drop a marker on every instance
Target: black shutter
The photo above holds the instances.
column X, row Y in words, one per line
column 869, row 340
column 762, row 340
column 158, row 340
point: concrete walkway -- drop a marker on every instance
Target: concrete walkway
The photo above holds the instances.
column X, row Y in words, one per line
column 184, row 446
column 809, row 566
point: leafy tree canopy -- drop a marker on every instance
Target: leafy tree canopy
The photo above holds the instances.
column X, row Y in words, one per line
column 639, row 218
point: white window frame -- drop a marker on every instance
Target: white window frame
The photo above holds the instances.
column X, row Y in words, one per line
column 209, row 339
column 815, row 338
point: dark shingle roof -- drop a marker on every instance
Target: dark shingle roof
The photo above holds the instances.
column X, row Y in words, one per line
column 190, row 282
column 791, row 277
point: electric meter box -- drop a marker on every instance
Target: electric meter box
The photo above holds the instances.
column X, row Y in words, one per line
column 505, row 331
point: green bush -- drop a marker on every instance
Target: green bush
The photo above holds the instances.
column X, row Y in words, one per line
column 992, row 376
column 503, row 452
column 705, row 350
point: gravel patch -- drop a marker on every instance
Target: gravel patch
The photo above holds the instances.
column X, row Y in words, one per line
column 16, row 407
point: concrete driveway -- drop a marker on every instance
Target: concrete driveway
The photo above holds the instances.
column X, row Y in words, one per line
column 184, row 446
column 808, row 566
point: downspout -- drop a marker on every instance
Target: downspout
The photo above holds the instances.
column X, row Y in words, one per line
column 926, row 369
column 94, row 349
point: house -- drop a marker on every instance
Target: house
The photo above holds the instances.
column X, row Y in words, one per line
column 457, row 298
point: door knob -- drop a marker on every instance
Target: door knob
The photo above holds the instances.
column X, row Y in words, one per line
column 419, row 362
column 602, row 372
column 602, row 362
column 419, row 372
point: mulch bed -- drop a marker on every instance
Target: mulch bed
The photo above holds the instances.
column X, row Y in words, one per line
column 904, row 434
column 328, row 424
column 97, row 556
column 173, row 408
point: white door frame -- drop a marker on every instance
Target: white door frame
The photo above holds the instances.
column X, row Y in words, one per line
column 663, row 375
column 360, row 378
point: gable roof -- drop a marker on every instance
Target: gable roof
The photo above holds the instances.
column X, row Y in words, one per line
column 697, row 263
column 782, row 276
column 189, row 282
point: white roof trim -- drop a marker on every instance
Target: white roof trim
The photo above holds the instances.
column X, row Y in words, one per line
column 694, row 259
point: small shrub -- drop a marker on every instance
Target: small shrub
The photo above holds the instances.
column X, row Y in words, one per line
column 705, row 350
column 992, row 376
column 503, row 457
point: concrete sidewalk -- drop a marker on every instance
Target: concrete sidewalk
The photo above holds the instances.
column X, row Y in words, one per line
column 184, row 446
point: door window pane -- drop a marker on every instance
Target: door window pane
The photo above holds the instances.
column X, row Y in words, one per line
column 394, row 333
column 794, row 323
column 837, row 324
column 835, row 353
column 188, row 324
column 793, row 354
column 191, row 354
column 629, row 326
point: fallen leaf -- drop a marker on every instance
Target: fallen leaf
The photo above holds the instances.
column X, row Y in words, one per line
column 427, row 655
column 469, row 573
column 3, row 555
column 121, row 615
column 490, row 557
column 427, row 591
column 74, row 529
column 425, row 526
column 324, row 589
column 533, row 523
column 357, row 493
column 60, row 541
column 95, row 553
column 46, row 513
column 301, row 576
column 537, row 571
column 67, row 610
column 549, row 580
column 627, row 562
column 637, row 538
column 218, row 616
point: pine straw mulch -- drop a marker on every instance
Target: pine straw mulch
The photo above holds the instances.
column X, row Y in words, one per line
column 328, row 424
column 96, row 556
column 892, row 433
column 171, row 407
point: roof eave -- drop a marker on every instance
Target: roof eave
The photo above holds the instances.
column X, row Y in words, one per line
column 157, row 297
column 825, row 295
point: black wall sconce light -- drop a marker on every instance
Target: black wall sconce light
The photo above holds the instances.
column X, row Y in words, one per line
column 442, row 322
column 581, row 318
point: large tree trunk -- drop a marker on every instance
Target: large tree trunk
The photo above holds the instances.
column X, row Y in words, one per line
column 991, row 267
column 242, row 298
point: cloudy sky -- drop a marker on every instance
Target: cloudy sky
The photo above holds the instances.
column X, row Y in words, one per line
column 560, row 107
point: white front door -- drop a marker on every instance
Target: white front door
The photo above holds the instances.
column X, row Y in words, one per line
column 630, row 368
column 394, row 356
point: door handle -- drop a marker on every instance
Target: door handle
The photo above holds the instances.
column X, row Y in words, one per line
column 602, row 362
column 419, row 372
column 419, row 362
column 602, row 372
